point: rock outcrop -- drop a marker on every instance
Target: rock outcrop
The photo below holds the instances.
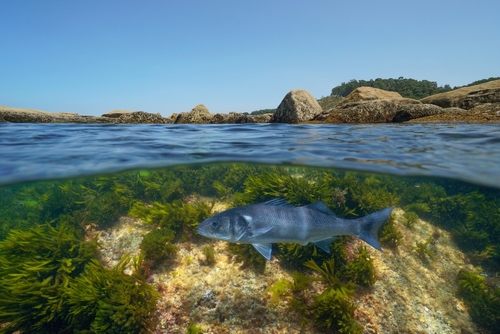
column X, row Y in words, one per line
column 198, row 115
column 408, row 112
column 231, row 118
column 362, row 94
column 373, row 105
column 467, row 97
column 19, row 115
column 22, row 115
column 297, row 106
column 141, row 117
column 117, row 113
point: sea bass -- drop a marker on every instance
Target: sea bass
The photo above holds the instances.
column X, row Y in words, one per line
column 278, row 221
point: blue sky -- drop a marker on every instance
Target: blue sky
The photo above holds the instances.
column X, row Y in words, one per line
column 167, row 56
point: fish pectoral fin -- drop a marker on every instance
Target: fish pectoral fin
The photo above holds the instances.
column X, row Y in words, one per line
column 320, row 207
column 260, row 231
column 325, row 243
column 264, row 249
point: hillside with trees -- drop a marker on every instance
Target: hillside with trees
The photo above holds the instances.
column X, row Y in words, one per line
column 410, row 88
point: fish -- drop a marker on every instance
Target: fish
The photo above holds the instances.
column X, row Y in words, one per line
column 277, row 221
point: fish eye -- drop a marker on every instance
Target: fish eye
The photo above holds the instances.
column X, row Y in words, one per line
column 214, row 224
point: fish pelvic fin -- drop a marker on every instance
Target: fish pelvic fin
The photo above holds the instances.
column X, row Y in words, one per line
column 264, row 249
column 370, row 226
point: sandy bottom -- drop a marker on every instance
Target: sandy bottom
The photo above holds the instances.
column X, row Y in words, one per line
column 412, row 295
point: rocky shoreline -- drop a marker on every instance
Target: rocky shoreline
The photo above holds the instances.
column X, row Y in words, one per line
column 479, row 103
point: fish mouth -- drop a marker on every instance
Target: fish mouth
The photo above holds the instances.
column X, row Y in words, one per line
column 201, row 230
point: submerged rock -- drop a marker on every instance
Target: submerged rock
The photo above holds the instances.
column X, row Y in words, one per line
column 297, row 106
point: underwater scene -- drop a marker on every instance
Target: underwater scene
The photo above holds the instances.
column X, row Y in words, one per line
column 124, row 252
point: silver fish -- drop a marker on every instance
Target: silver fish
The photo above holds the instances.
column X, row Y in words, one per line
column 277, row 221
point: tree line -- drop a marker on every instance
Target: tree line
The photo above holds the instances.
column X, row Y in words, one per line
column 407, row 87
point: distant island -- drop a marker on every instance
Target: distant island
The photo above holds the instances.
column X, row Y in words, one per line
column 357, row 101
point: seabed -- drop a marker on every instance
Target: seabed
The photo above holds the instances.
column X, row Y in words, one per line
column 413, row 294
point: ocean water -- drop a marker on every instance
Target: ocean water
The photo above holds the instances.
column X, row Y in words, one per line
column 438, row 272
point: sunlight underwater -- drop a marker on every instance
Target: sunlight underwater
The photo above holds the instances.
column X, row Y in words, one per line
column 121, row 253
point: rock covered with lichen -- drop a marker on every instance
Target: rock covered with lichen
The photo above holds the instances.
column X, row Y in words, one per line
column 297, row 106
column 197, row 115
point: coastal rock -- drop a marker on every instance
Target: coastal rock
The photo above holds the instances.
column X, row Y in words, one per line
column 22, row 115
column 197, row 115
column 263, row 118
column 141, row 117
column 297, row 106
column 231, row 118
column 467, row 97
column 413, row 111
column 117, row 113
column 372, row 105
column 362, row 94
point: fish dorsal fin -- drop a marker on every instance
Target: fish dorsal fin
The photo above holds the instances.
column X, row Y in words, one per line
column 325, row 243
column 278, row 202
column 264, row 249
column 320, row 207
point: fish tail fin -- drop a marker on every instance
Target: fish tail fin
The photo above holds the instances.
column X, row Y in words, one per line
column 370, row 226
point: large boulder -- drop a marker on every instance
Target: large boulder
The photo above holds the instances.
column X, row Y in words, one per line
column 297, row 106
column 467, row 97
column 197, row 115
column 362, row 94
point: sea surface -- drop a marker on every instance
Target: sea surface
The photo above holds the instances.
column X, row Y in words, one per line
column 143, row 189
column 466, row 152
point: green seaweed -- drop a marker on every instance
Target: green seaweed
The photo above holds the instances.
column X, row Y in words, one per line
column 194, row 329
column 46, row 279
column 389, row 235
column 327, row 272
column 333, row 308
column 279, row 289
column 248, row 255
column 111, row 301
column 410, row 218
column 334, row 311
column 361, row 269
column 423, row 251
column 209, row 253
column 483, row 300
column 278, row 182
column 156, row 245
column 182, row 218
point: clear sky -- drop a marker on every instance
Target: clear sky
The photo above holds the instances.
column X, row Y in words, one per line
column 168, row 56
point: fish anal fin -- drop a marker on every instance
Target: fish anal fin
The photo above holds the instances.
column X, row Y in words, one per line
column 320, row 207
column 325, row 243
column 264, row 249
